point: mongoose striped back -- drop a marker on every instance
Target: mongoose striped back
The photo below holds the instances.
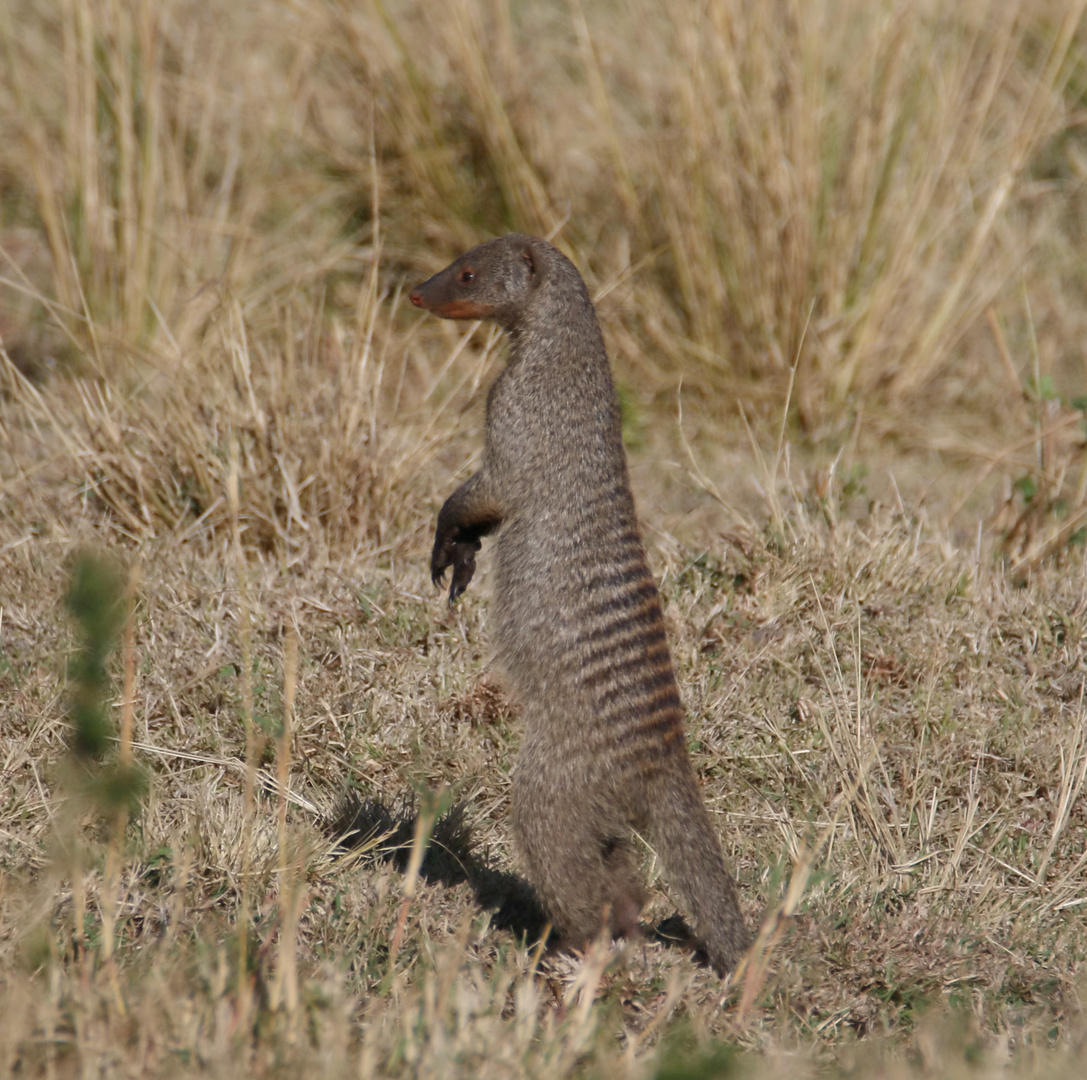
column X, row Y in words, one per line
column 625, row 666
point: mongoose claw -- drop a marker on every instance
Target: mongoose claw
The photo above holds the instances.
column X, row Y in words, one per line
column 441, row 558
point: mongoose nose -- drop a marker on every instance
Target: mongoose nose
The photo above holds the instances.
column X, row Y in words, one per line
column 416, row 297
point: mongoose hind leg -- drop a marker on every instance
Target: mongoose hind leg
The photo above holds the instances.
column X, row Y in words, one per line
column 585, row 876
column 624, row 886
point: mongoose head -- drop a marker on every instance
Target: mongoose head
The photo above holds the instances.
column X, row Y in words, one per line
column 493, row 281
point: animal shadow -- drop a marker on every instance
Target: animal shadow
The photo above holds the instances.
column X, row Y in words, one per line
column 448, row 860
column 451, row 860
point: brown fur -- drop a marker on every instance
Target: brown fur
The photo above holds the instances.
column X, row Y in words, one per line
column 579, row 628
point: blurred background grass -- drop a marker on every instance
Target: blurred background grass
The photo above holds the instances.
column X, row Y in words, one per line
column 865, row 218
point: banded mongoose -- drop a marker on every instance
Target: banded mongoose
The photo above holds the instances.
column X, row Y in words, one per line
column 579, row 631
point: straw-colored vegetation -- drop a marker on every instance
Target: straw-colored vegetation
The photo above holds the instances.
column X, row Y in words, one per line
column 838, row 249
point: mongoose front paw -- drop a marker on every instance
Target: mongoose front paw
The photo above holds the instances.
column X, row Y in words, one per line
column 458, row 551
column 464, row 566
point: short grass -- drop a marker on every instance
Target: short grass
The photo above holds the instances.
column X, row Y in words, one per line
column 837, row 249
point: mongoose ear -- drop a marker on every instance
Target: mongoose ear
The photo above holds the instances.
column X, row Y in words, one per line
column 537, row 267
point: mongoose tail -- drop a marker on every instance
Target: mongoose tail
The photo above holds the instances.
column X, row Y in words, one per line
column 688, row 847
column 577, row 622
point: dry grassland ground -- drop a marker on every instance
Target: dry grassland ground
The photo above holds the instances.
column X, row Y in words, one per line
column 838, row 252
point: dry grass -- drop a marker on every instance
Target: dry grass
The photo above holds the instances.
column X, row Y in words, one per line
column 853, row 232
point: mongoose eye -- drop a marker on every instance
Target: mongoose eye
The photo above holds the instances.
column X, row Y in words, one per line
column 466, row 277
